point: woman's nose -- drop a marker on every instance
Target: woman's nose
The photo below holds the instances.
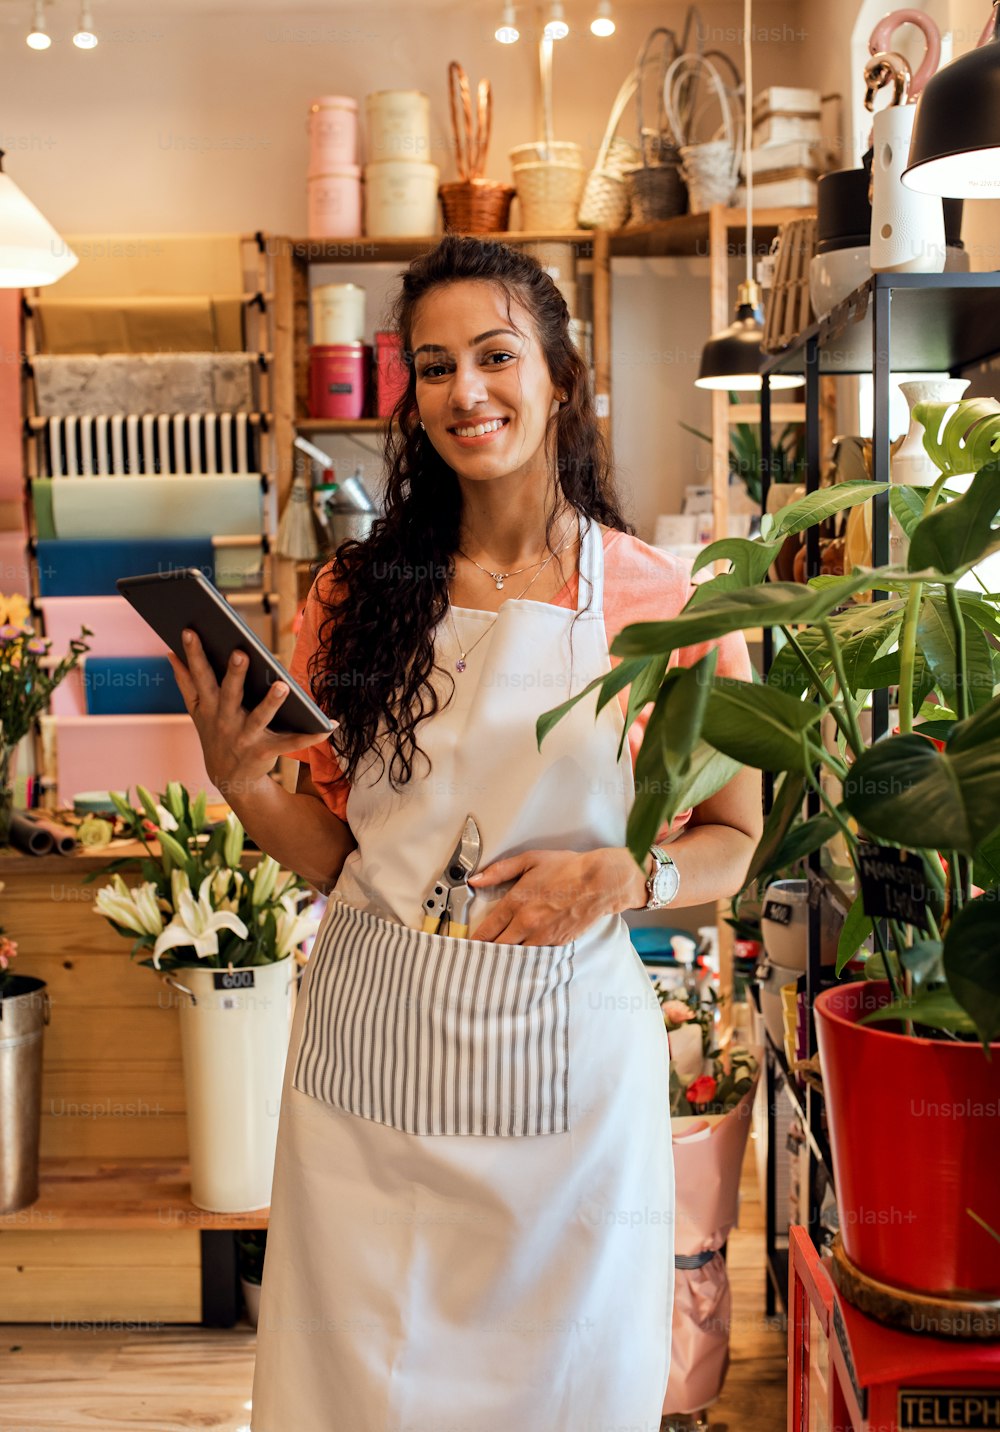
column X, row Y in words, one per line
column 468, row 387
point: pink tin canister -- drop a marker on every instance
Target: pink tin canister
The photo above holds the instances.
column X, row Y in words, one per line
column 333, row 133
column 338, row 379
column 391, row 374
column 334, row 202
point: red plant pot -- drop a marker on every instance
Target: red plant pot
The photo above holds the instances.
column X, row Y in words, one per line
column 915, row 1137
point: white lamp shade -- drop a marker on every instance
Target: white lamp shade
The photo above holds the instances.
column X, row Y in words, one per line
column 31, row 252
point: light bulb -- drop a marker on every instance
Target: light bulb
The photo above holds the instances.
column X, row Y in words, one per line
column 507, row 32
column 38, row 38
column 555, row 26
column 602, row 24
column 85, row 39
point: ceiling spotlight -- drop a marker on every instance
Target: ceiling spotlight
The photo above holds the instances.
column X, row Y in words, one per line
column 38, row 37
column 603, row 24
column 507, row 32
column 555, row 26
column 85, row 39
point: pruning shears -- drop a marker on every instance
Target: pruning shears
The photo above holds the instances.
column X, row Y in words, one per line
column 448, row 901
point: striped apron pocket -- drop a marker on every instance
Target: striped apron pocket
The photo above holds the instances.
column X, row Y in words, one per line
column 436, row 1035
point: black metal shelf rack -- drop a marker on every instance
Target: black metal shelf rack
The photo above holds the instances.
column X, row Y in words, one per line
column 903, row 323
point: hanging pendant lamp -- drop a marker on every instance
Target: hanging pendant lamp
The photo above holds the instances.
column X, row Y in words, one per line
column 955, row 148
column 731, row 359
column 31, row 252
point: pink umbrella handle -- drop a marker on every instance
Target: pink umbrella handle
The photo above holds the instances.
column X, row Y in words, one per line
column 885, row 29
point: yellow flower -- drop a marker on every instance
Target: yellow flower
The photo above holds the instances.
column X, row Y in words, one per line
column 94, row 833
column 14, row 610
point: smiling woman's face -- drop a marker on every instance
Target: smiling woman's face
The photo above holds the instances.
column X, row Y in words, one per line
column 476, row 368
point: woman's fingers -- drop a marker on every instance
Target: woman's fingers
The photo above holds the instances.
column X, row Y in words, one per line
column 202, row 675
column 231, row 690
column 185, row 684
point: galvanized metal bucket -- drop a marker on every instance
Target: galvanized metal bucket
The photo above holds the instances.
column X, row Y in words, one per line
column 24, row 1012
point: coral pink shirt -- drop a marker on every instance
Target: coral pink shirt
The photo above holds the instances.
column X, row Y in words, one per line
column 641, row 584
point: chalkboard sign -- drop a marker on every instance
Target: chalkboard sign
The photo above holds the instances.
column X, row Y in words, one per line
column 893, row 884
column 239, row 979
column 775, row 910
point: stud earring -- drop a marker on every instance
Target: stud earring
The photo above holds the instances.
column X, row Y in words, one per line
column 423, row 427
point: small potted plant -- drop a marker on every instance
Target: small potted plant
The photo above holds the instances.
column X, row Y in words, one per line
column 26, row 683
column 250, row 1249
column 223, row 940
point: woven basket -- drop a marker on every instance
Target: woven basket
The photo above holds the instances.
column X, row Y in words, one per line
column 657, row 191
column 549, row 194
column 710, row 169
column 475, row 206
column 656, row 188
column 557, row 151
column 605, row 202
column 472, row 204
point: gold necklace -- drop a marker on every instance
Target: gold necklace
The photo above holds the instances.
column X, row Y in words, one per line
column 462, row 662
column 498, row 577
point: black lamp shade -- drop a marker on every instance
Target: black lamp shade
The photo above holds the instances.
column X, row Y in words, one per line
column 955, row 148
column 731, row 359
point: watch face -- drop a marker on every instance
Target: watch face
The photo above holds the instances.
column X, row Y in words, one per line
column 666, row 883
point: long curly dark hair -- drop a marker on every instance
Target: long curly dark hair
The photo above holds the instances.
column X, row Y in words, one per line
column 372, row 667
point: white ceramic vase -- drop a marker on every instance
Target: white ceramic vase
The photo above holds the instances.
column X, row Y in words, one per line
column 911, row 463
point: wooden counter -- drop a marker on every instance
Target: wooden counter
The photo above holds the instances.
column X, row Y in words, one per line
column 114, row 1233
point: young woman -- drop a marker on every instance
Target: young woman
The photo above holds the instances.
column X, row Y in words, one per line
column 471, row 1222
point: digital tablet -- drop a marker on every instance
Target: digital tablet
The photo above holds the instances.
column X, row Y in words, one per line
column 171, row 601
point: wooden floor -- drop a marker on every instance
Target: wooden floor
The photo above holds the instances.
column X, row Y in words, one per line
column 173, row 1379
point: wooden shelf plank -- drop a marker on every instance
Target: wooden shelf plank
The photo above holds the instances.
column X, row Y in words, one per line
column 780, row 412
column 341, row 425
column 687, row 235
column 368, row 248
column 91, row 1193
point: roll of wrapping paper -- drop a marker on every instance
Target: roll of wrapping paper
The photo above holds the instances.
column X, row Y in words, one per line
column 63, row 836
column 183, row 506
column 29, row 836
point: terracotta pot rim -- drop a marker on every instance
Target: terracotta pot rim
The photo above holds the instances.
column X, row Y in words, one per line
column 882, row 986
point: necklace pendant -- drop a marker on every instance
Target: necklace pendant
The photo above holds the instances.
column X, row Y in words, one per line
column 460, row 664
column 499, row 582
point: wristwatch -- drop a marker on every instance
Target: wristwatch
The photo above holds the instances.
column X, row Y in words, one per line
column 662, row 886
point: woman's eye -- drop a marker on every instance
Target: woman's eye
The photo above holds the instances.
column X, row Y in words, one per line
column 433, row 370
column 498, row 354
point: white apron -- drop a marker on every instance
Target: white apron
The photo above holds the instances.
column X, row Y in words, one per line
column 471, row 1224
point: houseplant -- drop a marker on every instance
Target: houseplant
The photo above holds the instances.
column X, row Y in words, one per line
column 222, row 939
column 27, row 680
column 915, row 1210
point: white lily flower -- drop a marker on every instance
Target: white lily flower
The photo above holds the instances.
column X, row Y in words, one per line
column 227, row 887
column 179, row 885
column 292, row 927
column 119, row 910
column 145, row 901
column 233, row 844
column 265, row 878
column 197, row 924
column 164, row 819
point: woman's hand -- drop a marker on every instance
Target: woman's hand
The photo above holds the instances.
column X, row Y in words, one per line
column 557, row 894
column 238, row 748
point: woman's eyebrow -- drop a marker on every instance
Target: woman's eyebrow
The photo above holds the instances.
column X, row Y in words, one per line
column 480, row 338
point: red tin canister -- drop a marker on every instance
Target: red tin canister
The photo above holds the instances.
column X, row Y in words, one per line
column 391, row 375
column 338, row 379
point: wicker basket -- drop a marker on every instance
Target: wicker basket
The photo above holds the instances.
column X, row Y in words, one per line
column 476, row 206
column 656, row 188
column 557, row 151
column 605, row 202
column 710, row 169
column 657, row 191
column 549, row 194
column 472, row 204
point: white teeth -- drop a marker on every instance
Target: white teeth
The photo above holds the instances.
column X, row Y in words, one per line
column 480, row 429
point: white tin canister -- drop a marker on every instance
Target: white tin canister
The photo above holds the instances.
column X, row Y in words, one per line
column 338, row 313
column 399, row 126
column 401, row 198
